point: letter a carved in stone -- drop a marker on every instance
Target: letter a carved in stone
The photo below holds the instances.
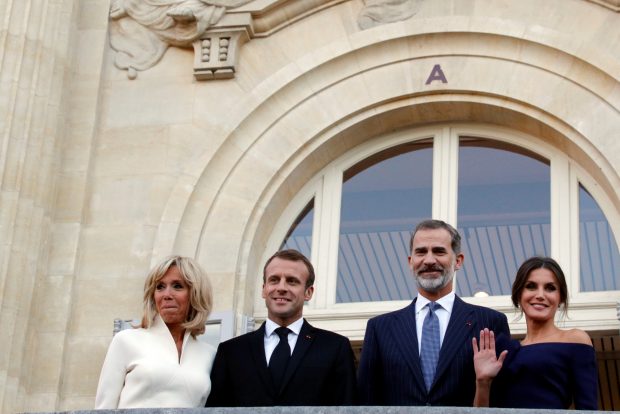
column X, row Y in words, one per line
column 436, row 74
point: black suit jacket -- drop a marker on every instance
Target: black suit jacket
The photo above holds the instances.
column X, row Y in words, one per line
column 390, row 372
column 321, row 372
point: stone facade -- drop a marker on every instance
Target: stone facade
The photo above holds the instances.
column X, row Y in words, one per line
column 102, row 175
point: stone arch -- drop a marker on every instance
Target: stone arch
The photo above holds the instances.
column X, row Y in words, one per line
column 361, row 87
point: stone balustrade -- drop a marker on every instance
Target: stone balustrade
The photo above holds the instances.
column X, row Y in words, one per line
column 330, row 410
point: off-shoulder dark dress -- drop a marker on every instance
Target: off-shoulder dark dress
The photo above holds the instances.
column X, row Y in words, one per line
column 546, row 375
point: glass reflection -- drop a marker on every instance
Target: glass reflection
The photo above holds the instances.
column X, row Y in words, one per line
column 599, row 257
column 299, row 236
column 383, row 198
column 503, row 214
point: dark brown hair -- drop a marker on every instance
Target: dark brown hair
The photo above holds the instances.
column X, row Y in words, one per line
column 531, row 264
column 293, row 256
column 438, row 224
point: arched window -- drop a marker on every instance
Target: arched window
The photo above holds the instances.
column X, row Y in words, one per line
column 599, row 255
column 510, row 195
column 383, row 197
column 299, row 236
column 503, row 213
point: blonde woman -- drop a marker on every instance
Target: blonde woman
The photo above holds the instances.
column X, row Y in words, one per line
column 161, row 363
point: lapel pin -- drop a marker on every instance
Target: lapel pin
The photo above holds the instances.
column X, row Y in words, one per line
column 468, row 323
column 308, row 337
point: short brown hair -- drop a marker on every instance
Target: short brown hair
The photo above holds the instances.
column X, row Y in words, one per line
column 200, row 293
column 293, row 256
column 438, row 224
column 531, row 264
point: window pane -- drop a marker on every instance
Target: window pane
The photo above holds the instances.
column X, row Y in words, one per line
column 299, row 236
column 383, row 198
column 503, row 214
column 599, row 256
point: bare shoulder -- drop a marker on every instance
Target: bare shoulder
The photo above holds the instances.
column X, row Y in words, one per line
column 576, row 336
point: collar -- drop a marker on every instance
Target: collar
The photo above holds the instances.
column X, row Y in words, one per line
column 271, row 326
column 446, row 302
column 160, row 328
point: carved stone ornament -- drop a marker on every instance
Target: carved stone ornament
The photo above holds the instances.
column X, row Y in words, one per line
column 378, row 12
column 215, row 54
column 142, row 30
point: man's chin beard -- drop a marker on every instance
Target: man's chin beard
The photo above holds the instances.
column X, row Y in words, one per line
column 434, row 285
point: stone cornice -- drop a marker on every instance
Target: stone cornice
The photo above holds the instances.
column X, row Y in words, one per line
column 265, row 17
column 217, row 29
column 269, row 16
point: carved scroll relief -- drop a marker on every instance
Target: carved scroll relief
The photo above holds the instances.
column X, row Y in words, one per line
column 142, row 30
column 378, row 12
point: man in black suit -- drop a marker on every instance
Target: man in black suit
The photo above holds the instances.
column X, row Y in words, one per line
column 308, row 366
column 422, row 354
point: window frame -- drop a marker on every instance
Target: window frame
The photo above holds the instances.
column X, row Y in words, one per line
column 326, row 186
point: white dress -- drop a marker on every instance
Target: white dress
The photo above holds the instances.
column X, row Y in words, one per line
column 142, row 370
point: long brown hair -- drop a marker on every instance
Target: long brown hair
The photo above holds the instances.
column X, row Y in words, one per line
column 531, row 264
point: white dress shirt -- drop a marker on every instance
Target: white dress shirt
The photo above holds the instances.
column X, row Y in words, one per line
column 443, row 314
column 272, row 338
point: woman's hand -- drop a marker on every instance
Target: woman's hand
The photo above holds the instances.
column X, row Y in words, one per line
column 486, row 363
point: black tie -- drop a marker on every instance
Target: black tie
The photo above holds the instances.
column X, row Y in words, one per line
column 280, row 356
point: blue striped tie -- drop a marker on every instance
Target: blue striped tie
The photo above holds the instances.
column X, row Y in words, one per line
column 429, row 354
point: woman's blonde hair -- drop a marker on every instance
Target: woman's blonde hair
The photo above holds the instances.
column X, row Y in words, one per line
column 200, row 293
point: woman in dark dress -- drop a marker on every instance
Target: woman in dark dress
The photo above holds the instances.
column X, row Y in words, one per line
column 550, row 367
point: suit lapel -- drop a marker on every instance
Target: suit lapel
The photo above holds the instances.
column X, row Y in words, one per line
column 406, row 338
column 458, row 333
column 257, row 352
column 304, row 341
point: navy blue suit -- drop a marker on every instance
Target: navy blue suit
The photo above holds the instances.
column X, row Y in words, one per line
column 390, row 372
column 321, row 371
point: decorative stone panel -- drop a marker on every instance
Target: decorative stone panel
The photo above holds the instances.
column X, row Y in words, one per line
column 216, row 52
column 141, row 32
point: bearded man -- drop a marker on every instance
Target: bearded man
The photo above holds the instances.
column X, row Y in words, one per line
column 422, row 354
